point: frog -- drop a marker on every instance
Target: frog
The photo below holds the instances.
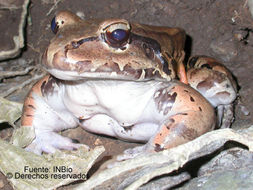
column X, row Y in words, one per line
column 125, row 80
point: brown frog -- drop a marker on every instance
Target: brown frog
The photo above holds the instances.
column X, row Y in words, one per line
column 125, row 80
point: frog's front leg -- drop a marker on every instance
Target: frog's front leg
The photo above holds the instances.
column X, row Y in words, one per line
column 185, row 114
column 215, row 82
column 44, row 110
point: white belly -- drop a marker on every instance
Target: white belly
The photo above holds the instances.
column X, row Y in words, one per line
column 123, row 109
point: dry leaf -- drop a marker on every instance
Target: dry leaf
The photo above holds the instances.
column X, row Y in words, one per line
column 9, row 111
column 55, row 170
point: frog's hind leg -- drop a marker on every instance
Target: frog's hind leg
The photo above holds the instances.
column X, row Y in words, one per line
column 45, row 112
column 185, row 114
column 215, row 82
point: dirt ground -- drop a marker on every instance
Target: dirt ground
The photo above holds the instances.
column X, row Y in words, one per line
column 219, row 28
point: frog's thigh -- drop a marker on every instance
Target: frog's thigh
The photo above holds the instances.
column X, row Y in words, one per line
column 215, row 82
column 187, row 116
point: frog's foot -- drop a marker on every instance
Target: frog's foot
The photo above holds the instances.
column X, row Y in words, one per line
column 131, row 153
column 128, row 154
column 49, row 142
column 216, row 83
column 225, row 115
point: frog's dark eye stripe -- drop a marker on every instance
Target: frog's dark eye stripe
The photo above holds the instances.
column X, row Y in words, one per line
column 76, row 44
column 54, row 26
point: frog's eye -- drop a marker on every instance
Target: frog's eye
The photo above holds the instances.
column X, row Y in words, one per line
column 117, row 35
column 54, row 26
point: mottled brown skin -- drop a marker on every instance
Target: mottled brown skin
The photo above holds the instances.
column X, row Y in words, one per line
column 206, row 73
column 212, row 65
column 137, row 58
column 81, row 52
column 181, row 127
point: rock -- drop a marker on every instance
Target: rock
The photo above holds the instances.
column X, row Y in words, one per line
column 239, row 179
column 224, row 47
column 166, row 182
column 1, row 184
column 250, row 4
column 240, row 35
column 232, row 159
column 231, row 169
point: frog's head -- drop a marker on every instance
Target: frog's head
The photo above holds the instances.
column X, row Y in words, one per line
column 111, row 49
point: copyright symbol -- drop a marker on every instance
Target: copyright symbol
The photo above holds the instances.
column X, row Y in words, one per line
column 9, row 175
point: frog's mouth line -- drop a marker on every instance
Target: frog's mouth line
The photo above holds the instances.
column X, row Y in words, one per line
column 74, row 75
